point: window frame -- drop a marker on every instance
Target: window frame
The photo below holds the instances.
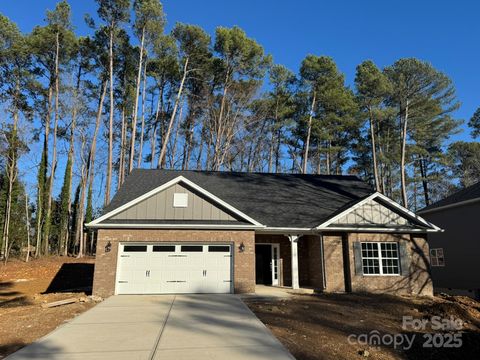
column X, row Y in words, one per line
column 380, row 258
column 436, row 257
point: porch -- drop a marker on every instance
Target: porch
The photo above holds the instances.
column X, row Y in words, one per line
column 289, row 261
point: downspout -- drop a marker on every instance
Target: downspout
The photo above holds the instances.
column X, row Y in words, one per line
column 322, row 260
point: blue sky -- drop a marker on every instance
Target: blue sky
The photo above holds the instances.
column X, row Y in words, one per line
column 445, row 33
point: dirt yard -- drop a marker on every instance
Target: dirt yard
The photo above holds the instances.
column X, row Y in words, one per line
column 24, row 287
column 318, row 326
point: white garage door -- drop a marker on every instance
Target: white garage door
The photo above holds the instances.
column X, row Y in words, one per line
column 174, row 269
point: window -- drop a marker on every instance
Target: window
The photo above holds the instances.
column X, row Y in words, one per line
column 163, row 248
column 135, row 248
column 380, row 258
column 216, row 248
column 436, row 257
column 192, row 248
column 180, row 200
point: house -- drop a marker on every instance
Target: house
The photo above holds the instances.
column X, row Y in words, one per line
column 453, row 253
column 171, row 231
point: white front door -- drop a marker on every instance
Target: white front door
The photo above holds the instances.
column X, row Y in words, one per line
column 174, row 268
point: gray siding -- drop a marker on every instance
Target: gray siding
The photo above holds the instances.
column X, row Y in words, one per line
column 160, row 207
column 461, row 247
column 372, row 212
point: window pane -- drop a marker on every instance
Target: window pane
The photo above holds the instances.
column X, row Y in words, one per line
column 164, row 248
column 370, row 266
column 216, row 248
column 192, row 248
column 135, row 248
column 390, row 266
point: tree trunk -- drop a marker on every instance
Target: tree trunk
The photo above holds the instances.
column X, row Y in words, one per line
column 81, row 204
column 374, row 150
column 27, row 257
column 423, row 174
column 328, row 159
column 93, row 146
column 309, row 131
column 219, row 135
column 172, row 117
column 140, row 150
column 203, row 135
column 277, row 149
column 110, row 124
column 54, row 150
column 175, row 138
column 11, row 176
column 187, row 149
column 71, row 159
column 403, row 155
column 39, row 214
column 121, row 161
column 153, row 145
column 135, row 107
column 272, row 139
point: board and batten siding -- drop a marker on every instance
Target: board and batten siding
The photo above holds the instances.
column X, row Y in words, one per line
column 372, row 212
column 160, row 207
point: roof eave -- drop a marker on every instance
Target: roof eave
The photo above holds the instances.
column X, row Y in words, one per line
column 173, row 226
column 379, row 229
column 449, row 206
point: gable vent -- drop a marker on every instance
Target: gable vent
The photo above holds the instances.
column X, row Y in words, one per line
column 180, row 200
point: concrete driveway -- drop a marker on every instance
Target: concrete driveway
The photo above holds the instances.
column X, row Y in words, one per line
column 161, row 327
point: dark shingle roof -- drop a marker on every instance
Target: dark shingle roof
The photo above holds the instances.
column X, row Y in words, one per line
column 275, row 200
column 469, row 193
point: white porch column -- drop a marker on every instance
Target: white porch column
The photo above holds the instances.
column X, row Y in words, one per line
column 294, row 246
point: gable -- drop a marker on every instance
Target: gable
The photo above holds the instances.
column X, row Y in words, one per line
column 378, row 212
column 160, row 206
column 373, row 213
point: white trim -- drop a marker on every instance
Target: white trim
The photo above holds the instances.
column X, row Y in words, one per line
column 294, row 259
column 283, row 230
column 165, row 186
column 373, row 196
column 380, row 257
column 174, row 226
column 449, row 206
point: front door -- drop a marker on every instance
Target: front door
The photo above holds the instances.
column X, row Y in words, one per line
column 263, row 259
column 266, row 264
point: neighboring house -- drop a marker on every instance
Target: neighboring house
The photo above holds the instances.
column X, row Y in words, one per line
column 454, row 252
column 171, row 231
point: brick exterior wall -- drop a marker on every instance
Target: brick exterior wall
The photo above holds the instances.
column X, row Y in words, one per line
column 418, row 282
column 338, row 256
column 106, row 262
column 334, row 264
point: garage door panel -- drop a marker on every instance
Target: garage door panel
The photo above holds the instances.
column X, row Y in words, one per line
column 174, row 268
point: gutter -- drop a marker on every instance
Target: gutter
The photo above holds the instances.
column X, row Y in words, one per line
column 381, row 230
